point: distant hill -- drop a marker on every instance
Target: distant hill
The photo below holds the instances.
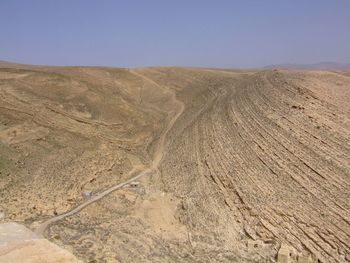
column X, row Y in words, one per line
column 4, row 64
column 7, row 64
column 320, row 66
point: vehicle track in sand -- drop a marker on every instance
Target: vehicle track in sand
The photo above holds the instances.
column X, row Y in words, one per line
column 158, row 155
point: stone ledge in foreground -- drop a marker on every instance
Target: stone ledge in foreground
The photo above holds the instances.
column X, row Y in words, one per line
column 18, row 244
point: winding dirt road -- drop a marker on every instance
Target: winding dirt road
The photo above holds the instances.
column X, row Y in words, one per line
column 257, row 159
column 158, row 155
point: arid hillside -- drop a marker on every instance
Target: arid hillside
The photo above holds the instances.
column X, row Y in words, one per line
column 178, row 164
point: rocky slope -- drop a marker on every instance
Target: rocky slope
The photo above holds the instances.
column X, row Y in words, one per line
column 254, row 160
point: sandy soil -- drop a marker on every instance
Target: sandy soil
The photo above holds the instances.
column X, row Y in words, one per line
column 241, row 162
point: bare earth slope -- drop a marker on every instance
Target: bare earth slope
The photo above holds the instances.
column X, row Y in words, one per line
column 233, row 164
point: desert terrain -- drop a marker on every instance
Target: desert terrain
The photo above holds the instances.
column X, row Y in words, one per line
column 178, row 164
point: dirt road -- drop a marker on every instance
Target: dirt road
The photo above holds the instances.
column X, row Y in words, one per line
column 158, row 155
column 239, row 162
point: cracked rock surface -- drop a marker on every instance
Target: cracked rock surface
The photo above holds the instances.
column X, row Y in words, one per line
column 253, row 160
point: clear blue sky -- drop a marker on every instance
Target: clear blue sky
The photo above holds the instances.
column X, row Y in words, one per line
column 130, row 33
